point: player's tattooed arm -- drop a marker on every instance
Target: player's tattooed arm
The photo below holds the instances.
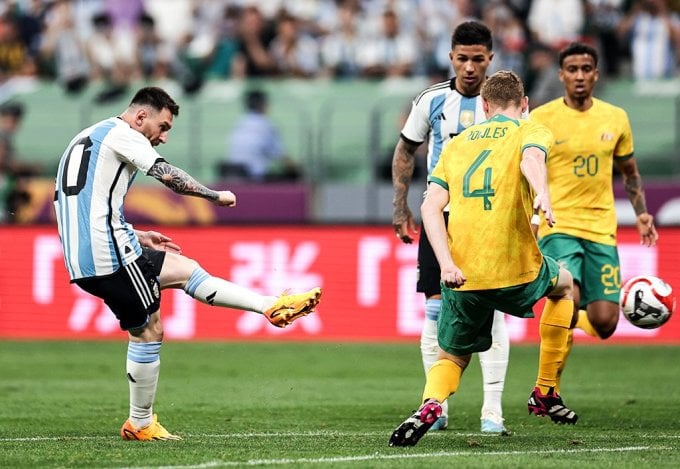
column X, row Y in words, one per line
column 632, row 183
column 403, row 165
column 181, row 182
column 633, row 186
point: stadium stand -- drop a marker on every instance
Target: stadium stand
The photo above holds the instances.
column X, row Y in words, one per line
column 338, row 131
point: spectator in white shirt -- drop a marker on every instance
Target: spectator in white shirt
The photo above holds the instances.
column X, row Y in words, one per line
column 391, row 53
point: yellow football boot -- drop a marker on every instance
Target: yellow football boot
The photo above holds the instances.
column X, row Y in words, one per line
column 287, row 308
column 153, row 431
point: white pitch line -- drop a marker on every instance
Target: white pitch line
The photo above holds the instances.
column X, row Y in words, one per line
column 379, row 457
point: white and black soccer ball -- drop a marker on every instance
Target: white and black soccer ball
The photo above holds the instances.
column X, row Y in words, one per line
column 647, row 301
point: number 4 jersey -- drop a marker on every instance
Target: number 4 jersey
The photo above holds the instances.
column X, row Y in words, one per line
column 580, row 167
column 491, row 201
column 93, row 178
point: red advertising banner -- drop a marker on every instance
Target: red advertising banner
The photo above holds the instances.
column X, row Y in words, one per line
column 367, row 274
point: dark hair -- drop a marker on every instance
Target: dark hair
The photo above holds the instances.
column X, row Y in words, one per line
column 101, row 20
column 577, row 48
column 146, row 19
column 472, row 33
column 12, row 108
column 157, row 98
column 255, row 100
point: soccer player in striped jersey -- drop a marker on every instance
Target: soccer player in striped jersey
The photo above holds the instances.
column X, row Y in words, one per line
column 438, row 114
column 127, row 268
column 591, row 137
column 493, row 178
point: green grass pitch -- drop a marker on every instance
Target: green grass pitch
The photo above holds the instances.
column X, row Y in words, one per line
column 285, row 404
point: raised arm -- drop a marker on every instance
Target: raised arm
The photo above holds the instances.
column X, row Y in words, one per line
column 534, row 170
column 182, row 183
column 632, row 182
column 403, row 164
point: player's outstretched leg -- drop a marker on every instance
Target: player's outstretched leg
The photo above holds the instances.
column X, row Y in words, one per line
column 550, row 404
column 413, row 428
column 287, row 308
column 153, row 431
column 216, row 291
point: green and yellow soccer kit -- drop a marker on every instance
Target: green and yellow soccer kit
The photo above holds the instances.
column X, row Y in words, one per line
column 580, row 167
column 490, row 204
column 489, row 231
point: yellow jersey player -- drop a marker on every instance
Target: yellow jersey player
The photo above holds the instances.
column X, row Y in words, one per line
column 591, row 137
column 493, row 177
column 437, row 115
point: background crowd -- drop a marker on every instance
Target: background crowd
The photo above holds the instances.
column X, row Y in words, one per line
column 77, row 41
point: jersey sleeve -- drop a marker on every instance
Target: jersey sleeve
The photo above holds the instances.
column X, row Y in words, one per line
column 438, row 175
column 624, row 146
column 132, row 147
column 537, row 135
column 417, row 124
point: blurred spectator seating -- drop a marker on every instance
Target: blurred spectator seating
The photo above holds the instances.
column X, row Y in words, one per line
column 556, row 22
column 652, row 32
column 390, row 52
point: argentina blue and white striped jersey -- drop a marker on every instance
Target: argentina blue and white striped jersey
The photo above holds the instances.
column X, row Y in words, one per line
column 441, row 113
column 94, row 175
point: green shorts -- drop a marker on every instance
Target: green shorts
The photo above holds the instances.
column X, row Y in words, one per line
column 594, row 266
column 466, row 317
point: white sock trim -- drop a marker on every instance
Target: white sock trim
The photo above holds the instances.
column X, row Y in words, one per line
column 494, row 365
column 216, row 291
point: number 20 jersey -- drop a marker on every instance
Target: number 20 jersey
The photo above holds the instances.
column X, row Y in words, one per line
column 580, row 167
column 491, row 202
column 93, row 177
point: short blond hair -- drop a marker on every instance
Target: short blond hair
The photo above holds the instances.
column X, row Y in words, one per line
column 503, row 88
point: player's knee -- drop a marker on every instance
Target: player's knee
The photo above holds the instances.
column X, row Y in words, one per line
column 177, row 270
column 189, row 266
column 606, row 327
column 604, row 317
column 461, row 360
column 564, row 288
column 185, row 269
column 152, row 332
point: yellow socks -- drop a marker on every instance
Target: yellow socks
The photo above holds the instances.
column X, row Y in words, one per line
column 570, row 341
column 554, row 331
column 442, row 380
column 584, row 324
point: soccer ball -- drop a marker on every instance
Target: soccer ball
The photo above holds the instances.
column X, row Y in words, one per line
column 647, row 301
